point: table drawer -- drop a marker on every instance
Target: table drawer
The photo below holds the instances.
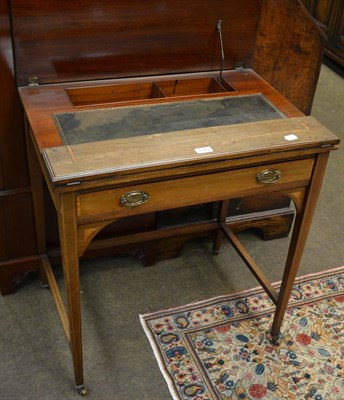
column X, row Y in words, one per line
column 156, row 196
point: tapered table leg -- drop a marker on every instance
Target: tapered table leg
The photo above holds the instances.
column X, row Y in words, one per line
column 36, row 180
column 70, row 260
column 297, row 244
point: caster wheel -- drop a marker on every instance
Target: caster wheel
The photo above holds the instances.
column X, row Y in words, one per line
column 82, row 391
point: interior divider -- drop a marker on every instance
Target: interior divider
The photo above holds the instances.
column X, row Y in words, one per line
column 126, row 92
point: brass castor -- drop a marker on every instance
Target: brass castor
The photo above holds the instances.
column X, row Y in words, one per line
column 82, row 391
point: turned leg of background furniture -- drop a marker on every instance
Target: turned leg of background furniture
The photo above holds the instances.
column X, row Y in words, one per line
column 6, row 279
column 298, row 240
column 221, row 217
column 70, row 261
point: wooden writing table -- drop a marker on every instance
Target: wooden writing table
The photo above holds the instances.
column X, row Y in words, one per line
column 105, row 155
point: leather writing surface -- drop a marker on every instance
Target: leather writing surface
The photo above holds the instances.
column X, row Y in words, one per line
column 124, row 122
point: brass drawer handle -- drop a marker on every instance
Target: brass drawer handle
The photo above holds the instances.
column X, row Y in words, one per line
column 269, row 176
column 134, row 198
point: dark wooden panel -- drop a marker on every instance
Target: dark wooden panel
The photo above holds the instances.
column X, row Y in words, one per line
column 322, row 10
column 3, row 252
column 17, row 237
column 288, row 51
column 18, row 226
column 84, row 39
column 14, row 272
column 329, row 15
column 335, row 47
column 13, row 168
column 254, row 204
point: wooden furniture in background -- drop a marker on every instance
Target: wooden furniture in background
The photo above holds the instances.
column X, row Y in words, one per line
column 329, row 15
column 128, row 39
column 18, row 249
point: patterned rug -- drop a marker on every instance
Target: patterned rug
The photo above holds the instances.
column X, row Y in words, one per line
column 218, row 348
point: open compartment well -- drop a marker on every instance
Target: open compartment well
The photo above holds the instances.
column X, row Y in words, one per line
column 189, row 87
column 103, row 94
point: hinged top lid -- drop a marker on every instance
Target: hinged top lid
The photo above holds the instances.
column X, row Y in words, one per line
column 60, row 41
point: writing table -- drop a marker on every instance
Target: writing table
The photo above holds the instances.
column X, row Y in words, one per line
column 129, row 147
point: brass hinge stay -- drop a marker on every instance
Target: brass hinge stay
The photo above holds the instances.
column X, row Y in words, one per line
column 33, row 82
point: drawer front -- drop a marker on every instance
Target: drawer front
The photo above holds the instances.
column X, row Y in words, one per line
column 157, row 196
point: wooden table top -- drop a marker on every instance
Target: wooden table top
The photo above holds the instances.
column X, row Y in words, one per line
column 102, row 141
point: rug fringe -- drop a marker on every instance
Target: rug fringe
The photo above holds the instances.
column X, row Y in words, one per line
column 168, row 379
